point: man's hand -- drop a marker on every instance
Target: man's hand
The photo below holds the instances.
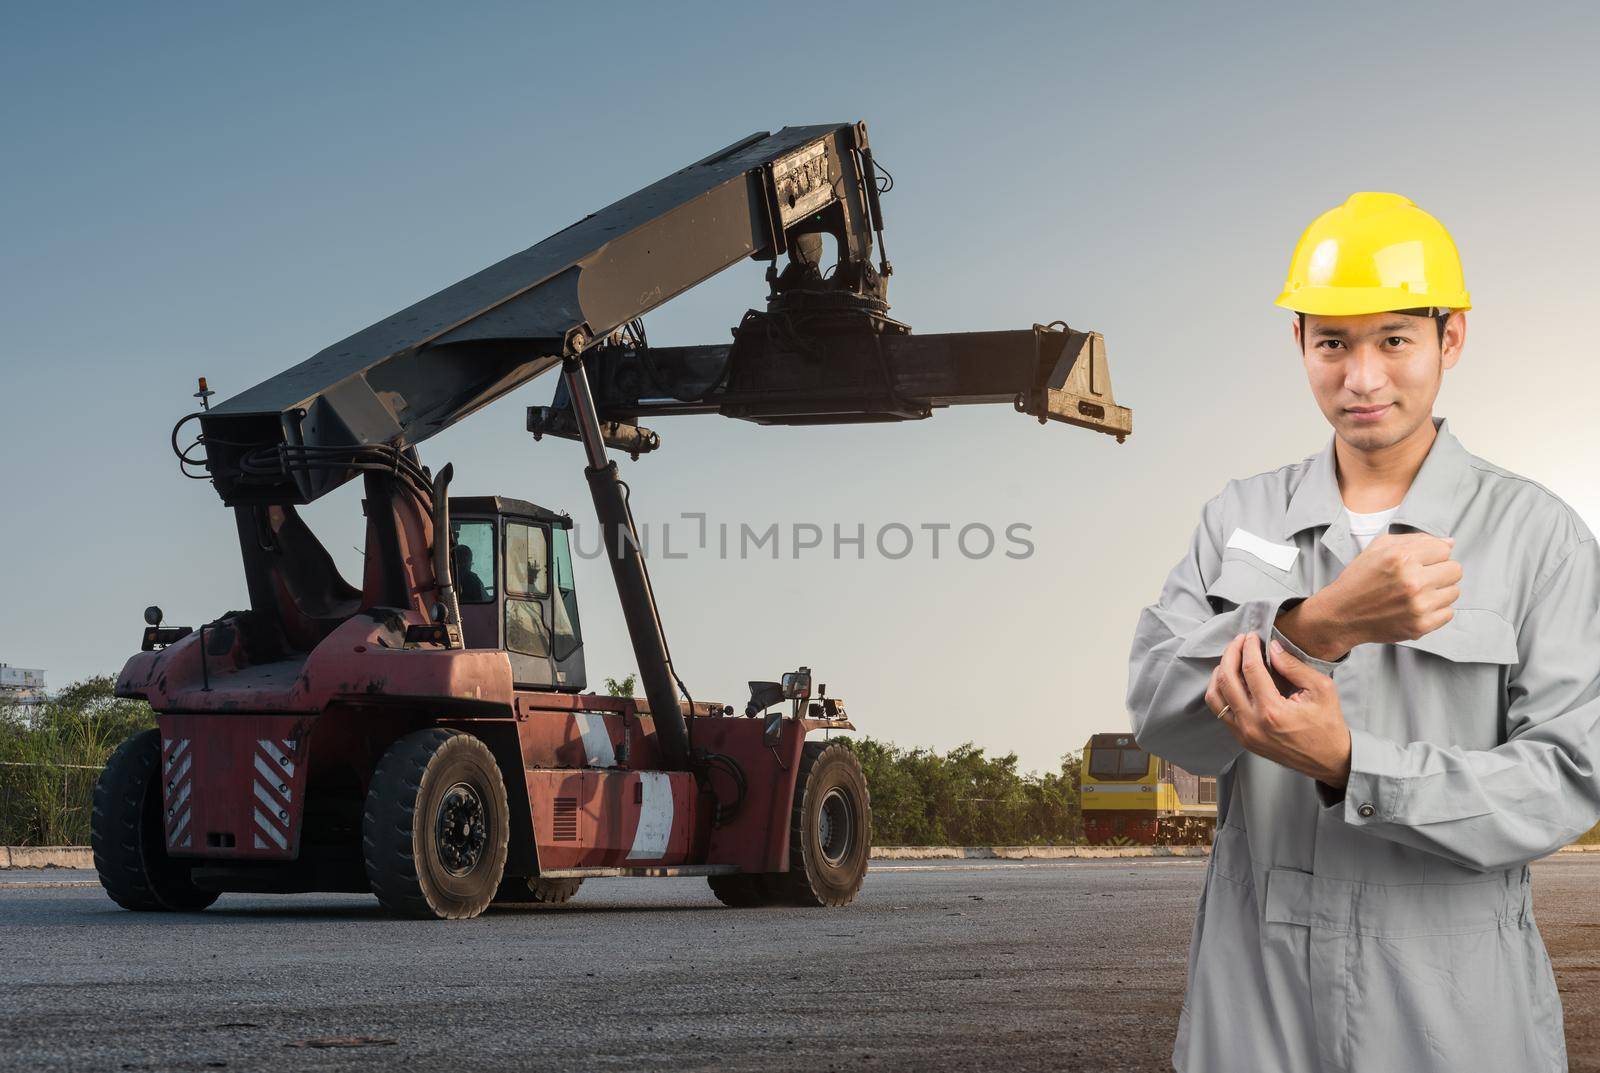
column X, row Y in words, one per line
column 1398, row 589
column 1304, row 731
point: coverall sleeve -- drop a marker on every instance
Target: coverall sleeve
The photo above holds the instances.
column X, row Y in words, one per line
column 1178, row 643
column 1496, row 808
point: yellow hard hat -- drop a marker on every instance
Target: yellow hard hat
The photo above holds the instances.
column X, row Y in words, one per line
column 1374, row 253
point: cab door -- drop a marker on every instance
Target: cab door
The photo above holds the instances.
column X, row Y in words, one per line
column 527, row 603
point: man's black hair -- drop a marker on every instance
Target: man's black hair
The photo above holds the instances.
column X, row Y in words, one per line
column 1440, row 317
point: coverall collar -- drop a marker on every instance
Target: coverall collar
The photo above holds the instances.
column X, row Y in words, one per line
column 1429, row 504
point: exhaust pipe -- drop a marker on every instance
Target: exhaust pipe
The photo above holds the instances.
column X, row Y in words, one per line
column 443, row 567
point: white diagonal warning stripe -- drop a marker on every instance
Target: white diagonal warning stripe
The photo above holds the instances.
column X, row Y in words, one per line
column 277, row 755
column 266, row 798
column 181, row 831
column 272, row 779
column 270, row 827
column 271, row 786
column 176, row 785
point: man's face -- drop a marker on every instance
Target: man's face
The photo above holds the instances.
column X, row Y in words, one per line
column 1375, row 376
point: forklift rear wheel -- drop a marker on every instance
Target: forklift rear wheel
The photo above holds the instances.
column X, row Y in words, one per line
column 744, row 891
column 128, row 834
column 435, row 827
column 830, row 829
column 521, row 890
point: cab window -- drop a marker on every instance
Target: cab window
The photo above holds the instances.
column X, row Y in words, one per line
column 527, row 560
column 527, row 583
column 526, row 633
column 1115, row 764
column 569, row 636
column 472, row 553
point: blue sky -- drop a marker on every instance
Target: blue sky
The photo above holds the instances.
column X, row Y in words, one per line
column 223, row 190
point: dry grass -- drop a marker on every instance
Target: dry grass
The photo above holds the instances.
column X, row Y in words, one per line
column 50, row 756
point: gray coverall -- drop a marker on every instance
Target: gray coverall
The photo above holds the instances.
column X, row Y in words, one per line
column 1387, row 926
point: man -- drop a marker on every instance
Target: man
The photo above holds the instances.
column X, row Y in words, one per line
column 1366, row 905
column 468, row 583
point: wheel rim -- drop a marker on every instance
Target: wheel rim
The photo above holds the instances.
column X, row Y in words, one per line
column 836, row 827
column 461, row 829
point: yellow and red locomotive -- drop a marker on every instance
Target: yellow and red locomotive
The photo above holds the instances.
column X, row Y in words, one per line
column 1133, row 798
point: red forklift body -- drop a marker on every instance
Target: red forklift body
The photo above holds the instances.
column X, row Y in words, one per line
column 235, row 782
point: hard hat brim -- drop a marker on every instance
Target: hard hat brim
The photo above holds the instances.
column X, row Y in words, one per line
column 1356, row 301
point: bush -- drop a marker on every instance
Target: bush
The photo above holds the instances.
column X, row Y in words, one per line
column 965, row 798
column 623, row 688
column 50, row 756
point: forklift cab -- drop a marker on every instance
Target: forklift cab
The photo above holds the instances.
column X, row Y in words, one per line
column 512, row 564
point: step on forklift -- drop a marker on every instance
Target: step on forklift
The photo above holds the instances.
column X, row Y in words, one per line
column 426, row 734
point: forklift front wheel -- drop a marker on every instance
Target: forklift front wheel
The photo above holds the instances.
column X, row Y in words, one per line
column 128, row 834
column 435, row 828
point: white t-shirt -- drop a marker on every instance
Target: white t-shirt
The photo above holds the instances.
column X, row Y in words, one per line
column 1366, row 526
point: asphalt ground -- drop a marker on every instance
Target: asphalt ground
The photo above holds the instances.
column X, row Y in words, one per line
column 1074, row 965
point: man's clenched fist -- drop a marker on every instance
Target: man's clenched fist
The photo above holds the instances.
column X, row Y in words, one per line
column 1399, row 588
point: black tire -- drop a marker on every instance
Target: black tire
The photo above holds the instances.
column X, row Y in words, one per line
column 435, row 827
column 128, row 834
column 830, row 829
column 743, row 891
column 521, row 890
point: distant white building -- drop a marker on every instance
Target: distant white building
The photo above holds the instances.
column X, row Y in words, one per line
column 21, row 685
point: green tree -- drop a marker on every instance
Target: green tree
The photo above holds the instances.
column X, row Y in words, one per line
column 921, row 798
column 623, row 688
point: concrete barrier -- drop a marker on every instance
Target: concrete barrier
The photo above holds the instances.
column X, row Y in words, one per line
column 46, row 857
column 82, row 857
column 1053, row 853
column 1028, row 853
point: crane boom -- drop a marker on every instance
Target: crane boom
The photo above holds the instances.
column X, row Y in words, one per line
column 824, row 350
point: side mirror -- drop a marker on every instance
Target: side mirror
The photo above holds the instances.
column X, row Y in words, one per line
column 797, row 684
